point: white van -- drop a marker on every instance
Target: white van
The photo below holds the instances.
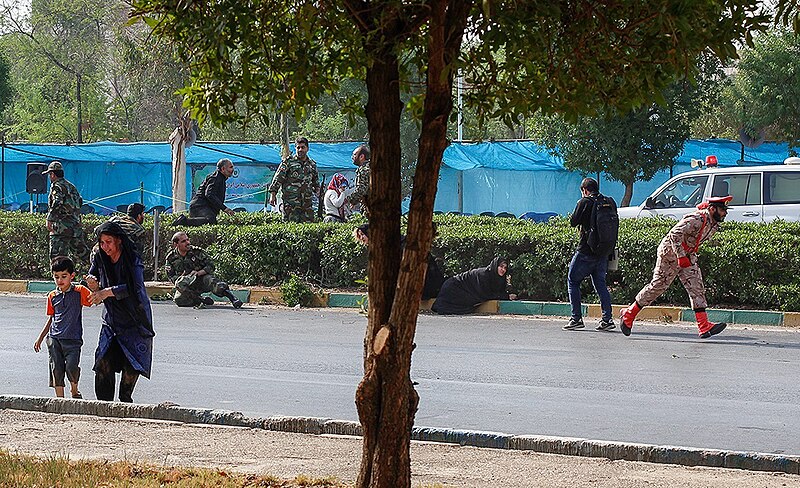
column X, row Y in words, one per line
column 760, row 193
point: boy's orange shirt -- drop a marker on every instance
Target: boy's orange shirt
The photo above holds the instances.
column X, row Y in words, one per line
column 85, row 292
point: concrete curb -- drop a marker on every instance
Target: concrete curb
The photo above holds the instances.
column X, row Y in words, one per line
column 272, row 295
column 569, row 446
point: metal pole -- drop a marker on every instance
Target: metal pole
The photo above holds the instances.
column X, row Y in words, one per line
column 141, row 192
column 156, row 228
column 460, row 81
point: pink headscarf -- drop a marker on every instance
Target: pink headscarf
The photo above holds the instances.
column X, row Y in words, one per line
column 338, row 183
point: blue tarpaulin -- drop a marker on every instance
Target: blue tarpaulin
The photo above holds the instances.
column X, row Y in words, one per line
column 514, row 176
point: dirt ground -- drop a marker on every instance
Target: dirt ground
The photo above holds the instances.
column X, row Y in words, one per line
column 288, row 455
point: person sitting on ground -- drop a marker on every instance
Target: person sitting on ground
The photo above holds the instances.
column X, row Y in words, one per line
column 131, row 223
column 209, row 199
column 434, row 278
column 64, row 327
column 336, row 207
column 464, row 292
column 192, row 272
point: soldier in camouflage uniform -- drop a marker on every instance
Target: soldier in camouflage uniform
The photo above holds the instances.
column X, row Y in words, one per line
column 192, row 272
column 677, row 257
column 64, row 216
column 360, row 193
column 297, row 179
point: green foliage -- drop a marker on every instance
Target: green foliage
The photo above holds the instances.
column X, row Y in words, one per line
column 296, row 292
column 745, row 265
column 765, row 93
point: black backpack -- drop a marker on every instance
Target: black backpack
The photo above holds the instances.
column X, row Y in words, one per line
column 603, row 226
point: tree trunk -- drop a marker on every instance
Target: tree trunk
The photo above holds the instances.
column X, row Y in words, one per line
column 626, row 198
column 80, row 115
column 385, row 398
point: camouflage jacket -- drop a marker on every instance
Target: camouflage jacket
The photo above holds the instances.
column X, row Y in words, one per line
column 361, row 188
column 298, row 181
column 132, row 228
column 196, row 259
column 687, row 235
column 64, row 206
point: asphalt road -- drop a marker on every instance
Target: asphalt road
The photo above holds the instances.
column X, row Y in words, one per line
column 662, row 385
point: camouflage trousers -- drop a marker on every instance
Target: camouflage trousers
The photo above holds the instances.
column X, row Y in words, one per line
column 189, row 296
column 665, row 272
column 299, row 213
column 75, row 241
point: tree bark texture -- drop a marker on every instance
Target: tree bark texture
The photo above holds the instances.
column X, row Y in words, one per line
column 385, row 398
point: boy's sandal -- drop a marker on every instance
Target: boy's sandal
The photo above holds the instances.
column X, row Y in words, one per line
column 77, row 396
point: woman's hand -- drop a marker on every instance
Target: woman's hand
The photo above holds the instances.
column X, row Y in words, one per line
column 512, row 296
column 91, row 283
column 98, row 296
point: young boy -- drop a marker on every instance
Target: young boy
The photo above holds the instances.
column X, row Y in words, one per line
column 64, row 328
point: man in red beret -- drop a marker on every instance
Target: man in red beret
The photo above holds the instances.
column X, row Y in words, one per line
column 677, row 257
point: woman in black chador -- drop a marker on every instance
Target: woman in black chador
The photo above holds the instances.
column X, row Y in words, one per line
column 463, row 292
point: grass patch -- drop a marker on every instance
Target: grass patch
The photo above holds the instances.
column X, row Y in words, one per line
column 18, row 470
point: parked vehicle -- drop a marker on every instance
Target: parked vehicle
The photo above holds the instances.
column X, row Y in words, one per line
column 760, row 193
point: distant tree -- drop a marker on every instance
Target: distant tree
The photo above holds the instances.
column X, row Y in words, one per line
column 634, row 145
column 765, row 91
column 6, row 91
column 561, row 57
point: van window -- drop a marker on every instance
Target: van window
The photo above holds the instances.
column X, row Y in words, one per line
column 684, row 193
column 745, row 188
column 782, row 188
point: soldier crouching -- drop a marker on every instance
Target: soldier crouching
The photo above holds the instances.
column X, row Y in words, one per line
column 192, row 272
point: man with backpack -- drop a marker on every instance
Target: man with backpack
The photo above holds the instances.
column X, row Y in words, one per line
column 596, row 216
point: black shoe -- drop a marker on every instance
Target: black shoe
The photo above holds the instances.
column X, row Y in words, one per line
column 714, row 330
column 207, row 300
column 605, row 325
column 237, row 303
column 574, row 324
column 624, row 328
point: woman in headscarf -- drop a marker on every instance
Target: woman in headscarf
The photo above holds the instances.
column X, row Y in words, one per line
column 336, row 209
column 462, row 293
column 116, row 277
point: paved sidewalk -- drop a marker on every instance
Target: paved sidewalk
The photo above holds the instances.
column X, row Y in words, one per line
column 288, row 455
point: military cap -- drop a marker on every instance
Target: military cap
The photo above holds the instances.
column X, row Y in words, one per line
column 54, row 166
column 721, row 202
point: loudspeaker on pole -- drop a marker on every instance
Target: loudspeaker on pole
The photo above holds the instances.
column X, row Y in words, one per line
column 36, row 182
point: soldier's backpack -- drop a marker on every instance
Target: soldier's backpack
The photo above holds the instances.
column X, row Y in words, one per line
column 604, row 226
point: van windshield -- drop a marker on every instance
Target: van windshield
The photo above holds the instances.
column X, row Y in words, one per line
column 684, row 193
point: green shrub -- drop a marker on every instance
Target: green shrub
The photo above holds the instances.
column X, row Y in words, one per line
column 296, row 292
column 745, row 265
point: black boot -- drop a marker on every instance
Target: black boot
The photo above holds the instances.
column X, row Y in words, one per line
column 234, row 301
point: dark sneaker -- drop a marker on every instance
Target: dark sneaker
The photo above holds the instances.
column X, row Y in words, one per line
column 714, row 330
column 236, row 303
column 574, row 324
column 605, row 325
column 207, row 300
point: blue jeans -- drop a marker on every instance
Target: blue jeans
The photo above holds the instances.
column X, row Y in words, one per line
column 581, row 266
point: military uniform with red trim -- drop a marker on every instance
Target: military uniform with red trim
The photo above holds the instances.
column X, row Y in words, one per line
column 677, row 258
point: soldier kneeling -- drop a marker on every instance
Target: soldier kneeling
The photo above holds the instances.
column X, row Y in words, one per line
column 192, row 272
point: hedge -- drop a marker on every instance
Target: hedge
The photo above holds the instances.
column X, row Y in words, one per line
column 745, row 265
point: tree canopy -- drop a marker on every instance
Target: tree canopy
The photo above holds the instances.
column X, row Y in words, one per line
column 763, row 97
column 570, row 57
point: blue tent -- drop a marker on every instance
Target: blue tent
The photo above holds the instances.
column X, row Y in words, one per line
column 520, row 176
column 514, row 176
column 109, row 174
